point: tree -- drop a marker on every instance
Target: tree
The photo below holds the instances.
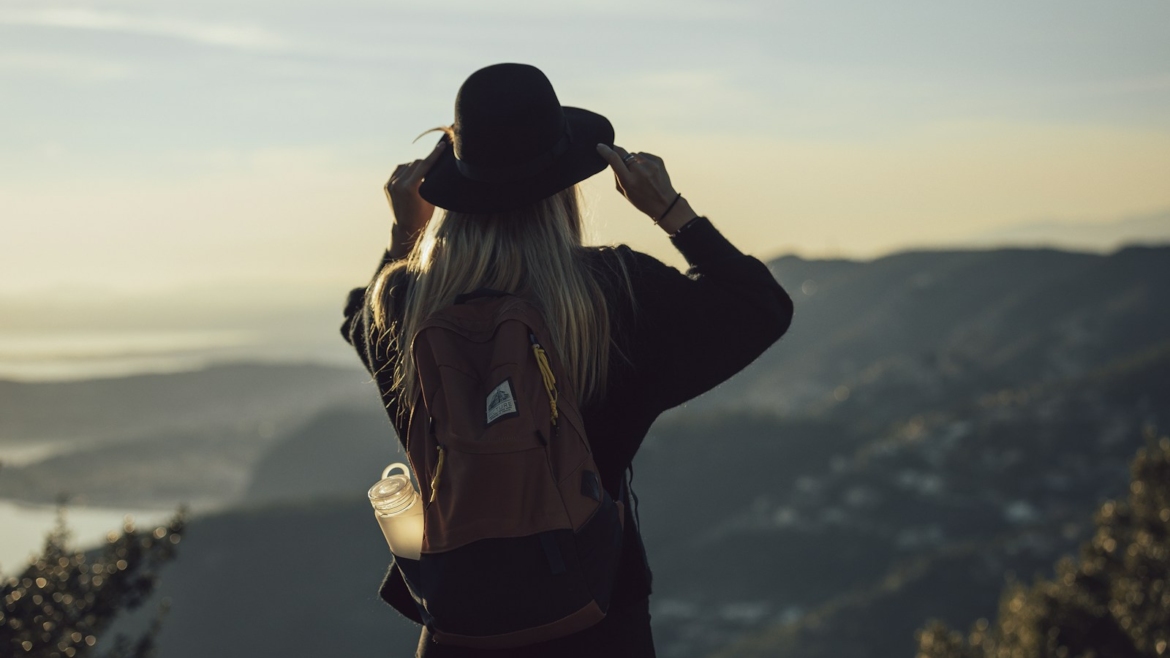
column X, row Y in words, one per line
column 65, row 600
column 1111, row 602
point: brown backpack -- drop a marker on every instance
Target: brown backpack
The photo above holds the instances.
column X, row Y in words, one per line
column 520, row 541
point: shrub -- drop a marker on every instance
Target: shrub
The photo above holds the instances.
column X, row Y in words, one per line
column 65, row 600
column 1112, row 601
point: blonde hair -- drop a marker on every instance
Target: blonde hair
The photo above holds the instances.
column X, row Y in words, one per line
column 536, row 252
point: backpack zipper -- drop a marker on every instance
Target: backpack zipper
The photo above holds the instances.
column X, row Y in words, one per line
column 546, row 374
column 438, row 472
column 442, row 459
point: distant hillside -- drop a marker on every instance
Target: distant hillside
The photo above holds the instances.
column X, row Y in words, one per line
column 928, row 518
column 292, row 580
column 161, row 440
column 920, row 328
column 251, row 394
column 337, row 453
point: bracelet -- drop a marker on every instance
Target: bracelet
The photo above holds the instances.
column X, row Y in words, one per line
column 669, row 208
column 690, row 222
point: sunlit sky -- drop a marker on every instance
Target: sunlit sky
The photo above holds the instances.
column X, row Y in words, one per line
column 146, row 145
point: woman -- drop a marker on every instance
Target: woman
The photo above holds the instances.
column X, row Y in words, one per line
column 638, row 337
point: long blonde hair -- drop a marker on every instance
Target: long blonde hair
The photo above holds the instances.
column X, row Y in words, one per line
column 536, row 252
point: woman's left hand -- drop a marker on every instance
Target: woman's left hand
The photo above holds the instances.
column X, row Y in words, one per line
column 411, row 211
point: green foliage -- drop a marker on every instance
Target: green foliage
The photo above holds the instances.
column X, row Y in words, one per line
column 65, row 600
column 1111, row 602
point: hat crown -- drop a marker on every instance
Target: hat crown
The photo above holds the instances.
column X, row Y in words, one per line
column 507, row 115
column 513, row 143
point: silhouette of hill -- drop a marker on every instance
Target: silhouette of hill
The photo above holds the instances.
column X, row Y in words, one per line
column 919, row 329
column 217, row 396
column 163, row 439
column 283, row 580
column 337, row 453
column 930, row 517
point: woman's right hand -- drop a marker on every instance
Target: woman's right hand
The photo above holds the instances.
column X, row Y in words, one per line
column 411, row 211
column 643, row 180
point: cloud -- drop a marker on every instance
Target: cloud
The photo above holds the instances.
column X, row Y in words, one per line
column 244, row 37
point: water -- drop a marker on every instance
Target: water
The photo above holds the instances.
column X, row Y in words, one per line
column 404, row 531
column 16, row 452
column 49, row 356
column 23, row 528
column 54, row 355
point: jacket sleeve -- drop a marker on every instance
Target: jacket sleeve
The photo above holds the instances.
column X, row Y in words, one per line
column 694, row 331
column 357, row 321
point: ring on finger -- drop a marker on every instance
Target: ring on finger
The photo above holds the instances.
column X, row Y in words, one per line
column 629, row 156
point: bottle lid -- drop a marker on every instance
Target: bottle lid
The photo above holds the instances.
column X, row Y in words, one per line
column 392, row 494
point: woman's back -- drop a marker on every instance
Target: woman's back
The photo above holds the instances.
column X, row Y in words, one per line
column 638, row 337
column 675, row 337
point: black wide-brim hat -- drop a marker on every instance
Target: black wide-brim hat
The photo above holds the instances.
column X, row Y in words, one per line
column 514, row 143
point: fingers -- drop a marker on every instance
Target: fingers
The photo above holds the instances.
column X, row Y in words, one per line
column 411, row 174
column 396, row 177
column 403, row 176
column 614, row 158
column 627, row 157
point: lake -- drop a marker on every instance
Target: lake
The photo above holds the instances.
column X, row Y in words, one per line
column 23, row 528
column 55, row 355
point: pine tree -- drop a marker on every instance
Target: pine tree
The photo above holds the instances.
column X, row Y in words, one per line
column 65, row 600
column 1111, row 602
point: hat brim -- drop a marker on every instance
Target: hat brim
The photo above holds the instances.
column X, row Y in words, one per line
column 447, row 187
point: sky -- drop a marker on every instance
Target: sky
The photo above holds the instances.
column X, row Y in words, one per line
column 149, row 146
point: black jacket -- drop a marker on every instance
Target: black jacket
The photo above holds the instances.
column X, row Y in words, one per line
column 683, row 335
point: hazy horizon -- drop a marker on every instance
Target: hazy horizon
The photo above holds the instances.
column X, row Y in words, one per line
column 75, row 335
column 1095, row 237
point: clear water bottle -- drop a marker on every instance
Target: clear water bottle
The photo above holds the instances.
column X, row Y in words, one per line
column 399, row 510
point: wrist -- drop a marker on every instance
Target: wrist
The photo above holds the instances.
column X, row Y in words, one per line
column 401, row 240
column 680, row 214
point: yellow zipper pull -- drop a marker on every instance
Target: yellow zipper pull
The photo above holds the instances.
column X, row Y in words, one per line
column 546, row 374
column 438, row 472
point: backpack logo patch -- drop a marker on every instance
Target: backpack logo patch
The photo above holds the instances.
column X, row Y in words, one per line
column 501, row 402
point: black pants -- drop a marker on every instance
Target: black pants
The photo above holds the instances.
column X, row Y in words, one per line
column 624, row 633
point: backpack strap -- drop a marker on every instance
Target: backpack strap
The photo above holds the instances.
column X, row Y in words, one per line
column 626, row 492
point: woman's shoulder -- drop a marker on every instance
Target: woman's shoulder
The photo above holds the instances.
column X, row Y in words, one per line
column 618, row 269
column 626, row 271
column 622, row 259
